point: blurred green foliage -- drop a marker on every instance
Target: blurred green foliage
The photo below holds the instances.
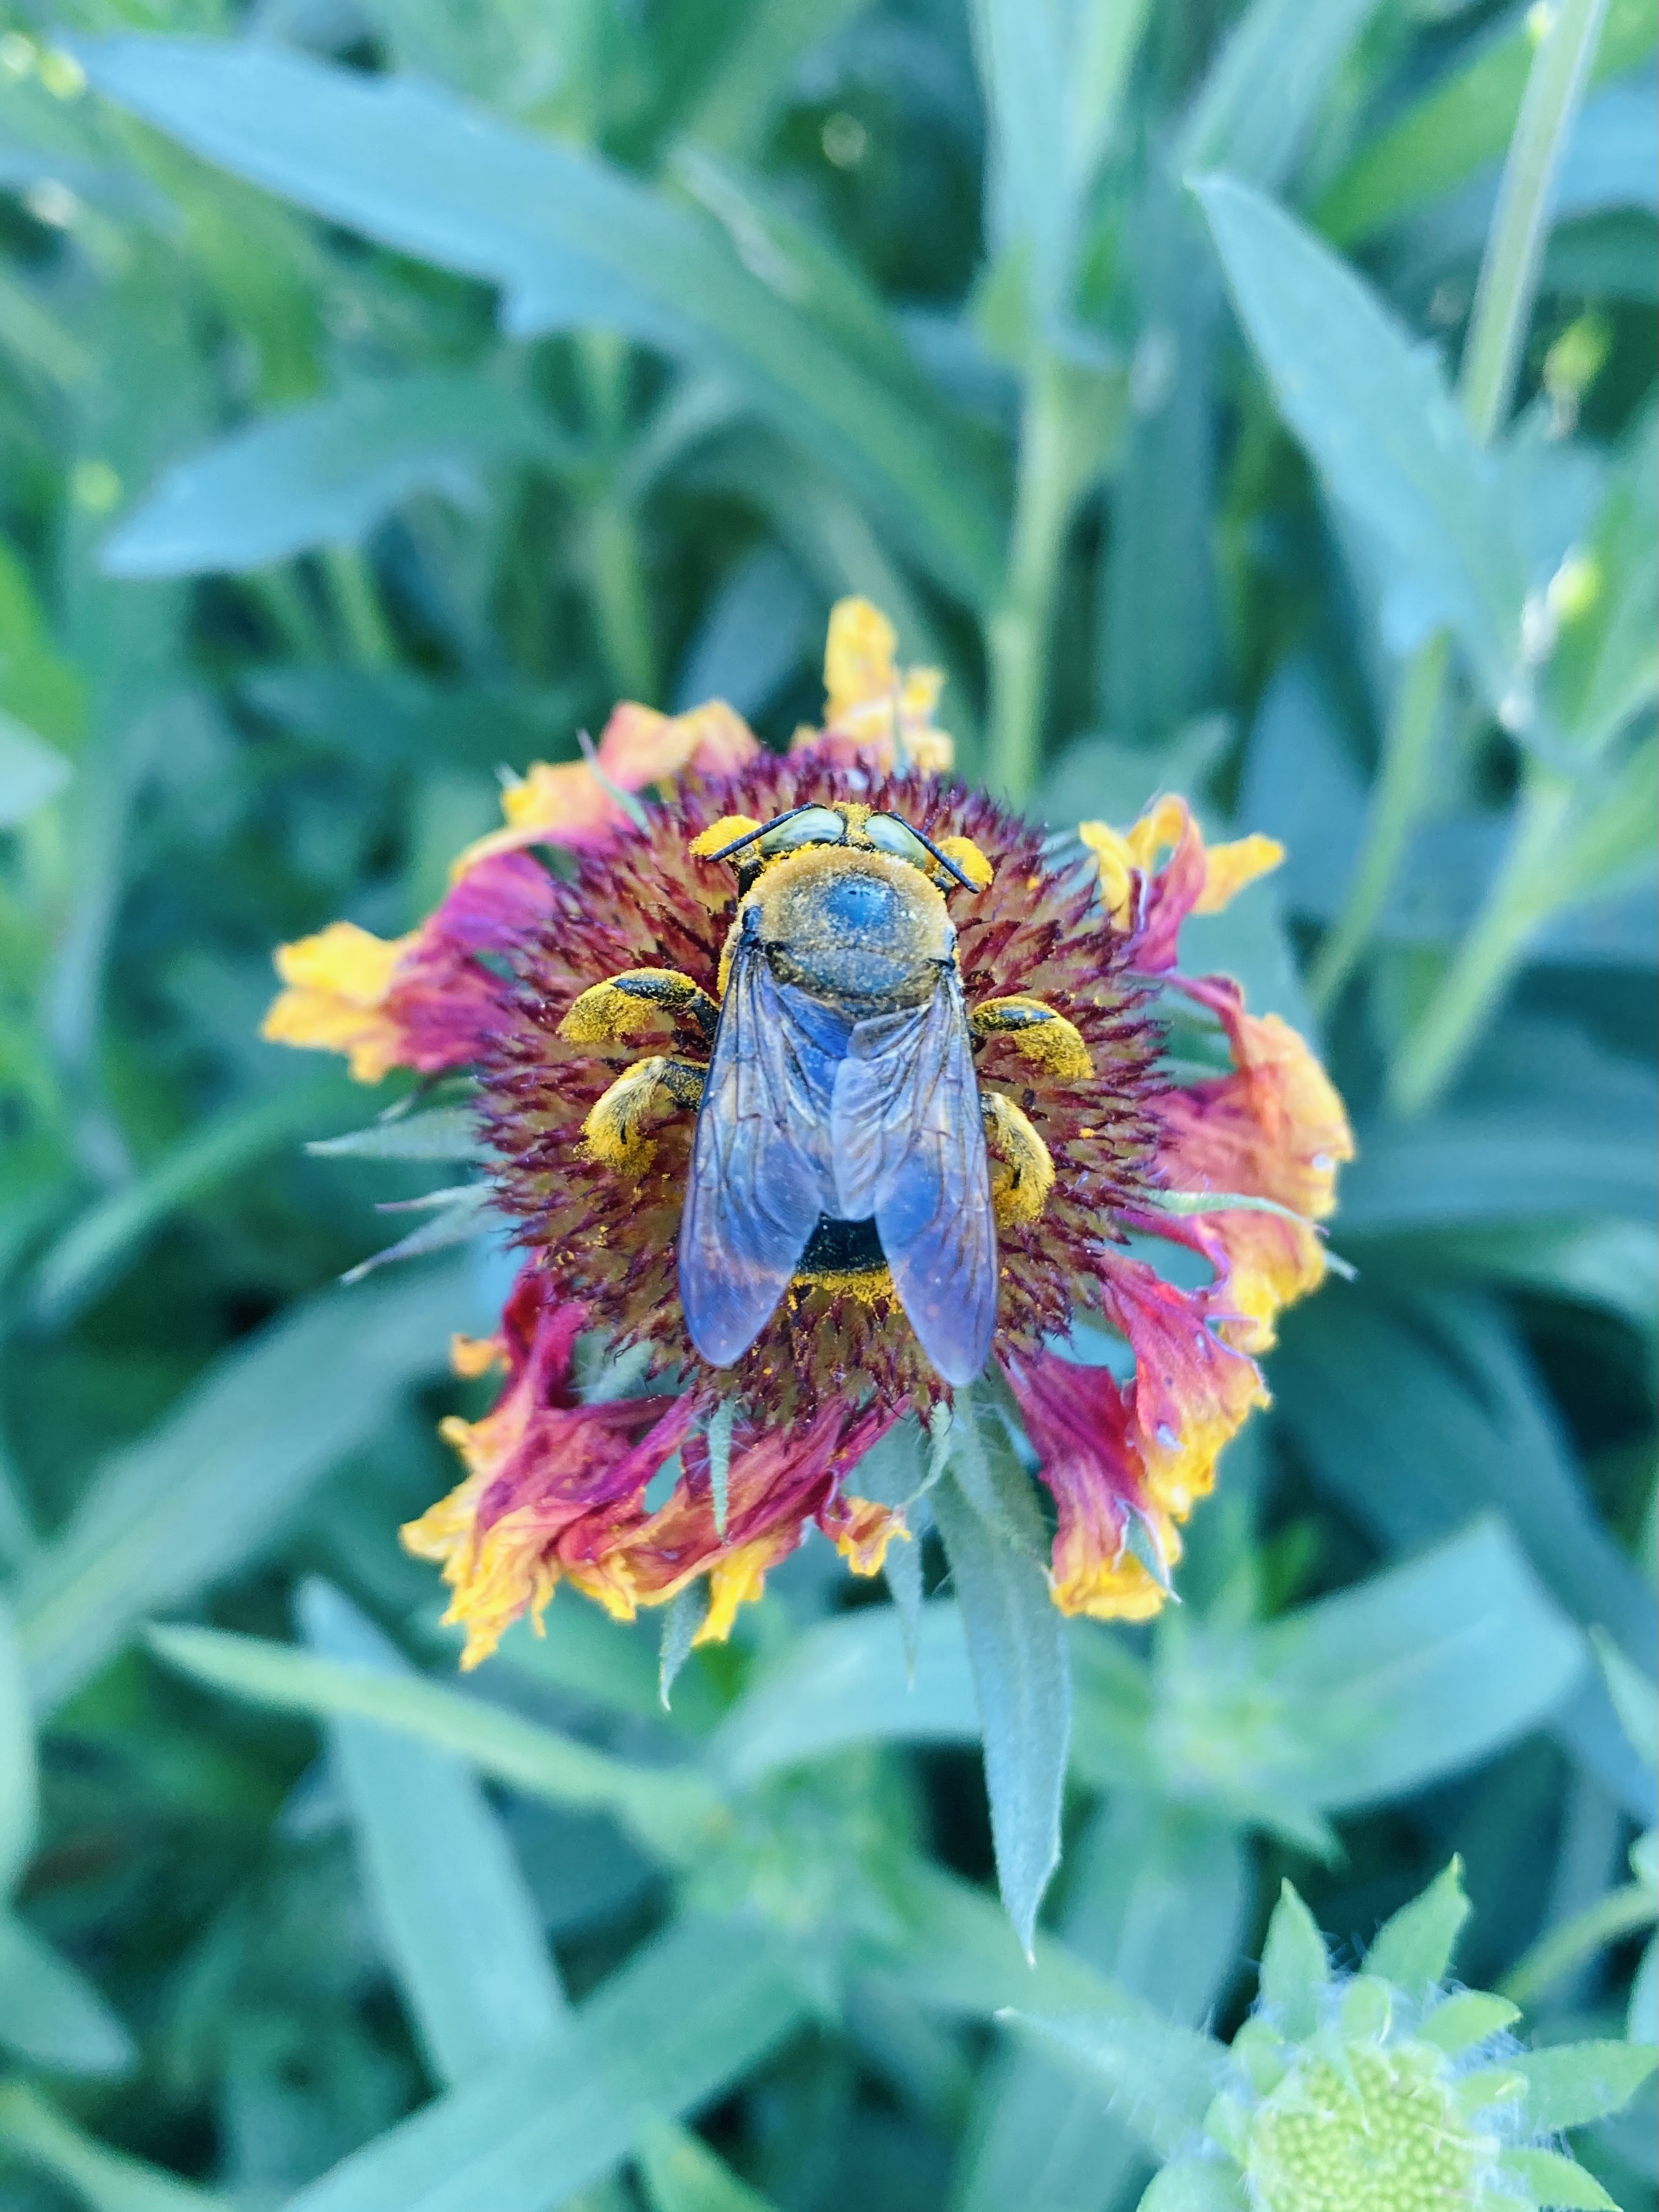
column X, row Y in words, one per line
column 385, row 389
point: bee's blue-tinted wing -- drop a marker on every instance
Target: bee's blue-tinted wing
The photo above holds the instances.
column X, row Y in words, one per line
column 909, row 1147
column 760, row 1162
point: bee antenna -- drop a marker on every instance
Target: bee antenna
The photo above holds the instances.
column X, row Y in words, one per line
column 944, row 859
column 750, row 835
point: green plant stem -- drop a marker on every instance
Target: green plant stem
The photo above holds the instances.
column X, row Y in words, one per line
column 1017, row 632
column 1621, row 1912
column 1403, row 777
column 363, row 626
column 1520, row 226
column 1492, row 352
column 615, row 554
column 281, row 595
column 621, row 603
column 1517, row 900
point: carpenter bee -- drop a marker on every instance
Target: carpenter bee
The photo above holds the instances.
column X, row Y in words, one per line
column 841, row 1129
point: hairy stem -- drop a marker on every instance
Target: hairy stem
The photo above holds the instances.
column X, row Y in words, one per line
column 1517, row 900
column 1492, row 352
column 1396, row 802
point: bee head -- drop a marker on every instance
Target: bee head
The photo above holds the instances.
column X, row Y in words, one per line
column 752, row 846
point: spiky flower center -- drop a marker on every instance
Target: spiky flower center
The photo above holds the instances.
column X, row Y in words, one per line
column 1364, row 2128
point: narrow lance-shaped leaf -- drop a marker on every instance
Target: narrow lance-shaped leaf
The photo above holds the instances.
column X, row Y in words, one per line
column 1571, row 2084
column 50, row 2014
column 199, row 1495
column 324, row 474
column 1373, row 411
column 1164, row 2076
column 682, row 2021
column 460, row 1929
column 1018, row 1652
column 574, row 241
column 104, row 2180
column 664, row 1807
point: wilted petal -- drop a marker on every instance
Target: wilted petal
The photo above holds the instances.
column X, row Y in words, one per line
column 1274, row 1129
column 1081, row 1425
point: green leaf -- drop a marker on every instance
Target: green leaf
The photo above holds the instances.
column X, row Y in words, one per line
column 848, row 1681
column 680, row 2174
column 104, row 2180
column 956, row 1953
column 1196, row 2186
column 1467, row 2018
column 31, row 771
column 666, row 1808
column 1571, row 2084
column 1165, row 2077
column 1635, row 1696
column 1418, row 1672
column 720, row 1459
column 201, row 1495
column 1021, row 1683
column 1155, row 1895
column 1265, row 89
column 1605, row 668
column 1379, row 423
column 1295, row 1971
column 574, row 241
column 460, row 1929
column 456, row 1215
column 682, row 1617
column 447, row 1133
column 1552, row 2180
column 1641, row 2019
column 324, row 474
column 1464, row 120
column 1415, row 1410
column 751, row 80
column 109, row 1237
column 50, row 2014
column 683, row 2020
column 19, row 1783
column 1413, row 1949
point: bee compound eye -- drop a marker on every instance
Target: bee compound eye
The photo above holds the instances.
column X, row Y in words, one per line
column 889, row 835
column 813, row 825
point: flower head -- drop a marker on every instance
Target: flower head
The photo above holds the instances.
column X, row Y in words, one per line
column 1382, row 2091
column 829, row 1084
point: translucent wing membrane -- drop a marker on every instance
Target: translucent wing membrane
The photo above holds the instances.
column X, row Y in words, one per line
column 761, row 1172
column 908, row 1149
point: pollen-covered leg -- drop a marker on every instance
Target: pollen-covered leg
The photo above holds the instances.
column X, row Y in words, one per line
column 616, row 1130
column 605, row 1011
column 1022, row 1171
column 1040, row 1033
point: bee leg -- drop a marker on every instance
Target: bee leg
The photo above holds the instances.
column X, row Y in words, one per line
column 615, row 1130
column 1022, row 1172
column 1038, row 1031
column 605, row 1011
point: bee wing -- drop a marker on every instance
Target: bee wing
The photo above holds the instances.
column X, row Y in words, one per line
column 760, row 1161
column 908, row 1146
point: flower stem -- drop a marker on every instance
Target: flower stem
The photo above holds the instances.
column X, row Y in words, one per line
column 1017, row 632
column 621, row 607
column 1397, row 799
column 357, row 606
column 1491, row 353
column 616, row 563
column 1520, row 226
column 1516, row 901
